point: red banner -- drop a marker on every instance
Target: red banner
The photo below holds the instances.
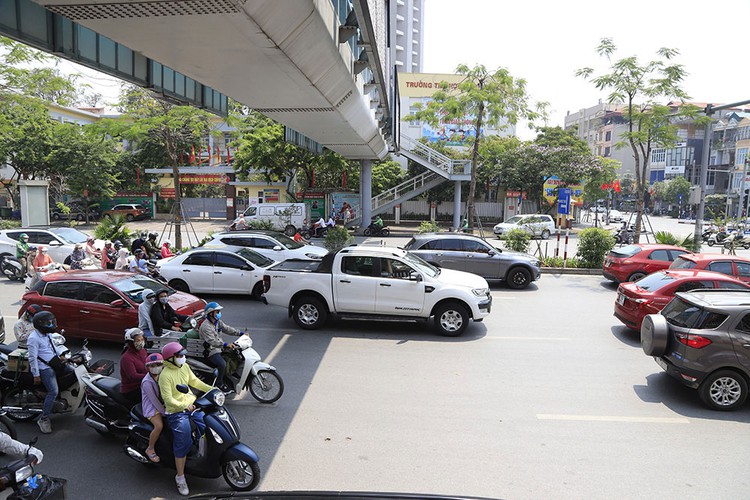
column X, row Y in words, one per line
column 202, row 179
column 167, row 193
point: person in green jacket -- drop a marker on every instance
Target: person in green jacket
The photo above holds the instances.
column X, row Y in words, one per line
column 22, row 250
column 180, row 407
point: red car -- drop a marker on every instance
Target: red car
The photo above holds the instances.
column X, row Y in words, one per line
column 633, row 262
column 649, row 295
column 100, row 304
column 739, row 267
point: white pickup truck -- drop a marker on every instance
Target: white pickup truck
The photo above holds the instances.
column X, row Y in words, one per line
column 377, row 283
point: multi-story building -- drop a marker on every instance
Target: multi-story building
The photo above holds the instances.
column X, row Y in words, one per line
column 730, row 143
column 407, row 25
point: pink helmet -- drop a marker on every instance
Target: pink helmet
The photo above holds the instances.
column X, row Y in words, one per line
column 172, row 349
column 153, row 359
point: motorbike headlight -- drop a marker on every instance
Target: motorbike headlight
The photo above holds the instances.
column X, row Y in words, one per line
column 219, row 398
column 23, row 474
column 479, row 292
column 87, row 355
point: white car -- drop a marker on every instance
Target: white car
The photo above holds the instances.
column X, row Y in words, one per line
column 615, row 216
column 60, row 241
column 204, row 270
column 541, row 225
column 271, row 244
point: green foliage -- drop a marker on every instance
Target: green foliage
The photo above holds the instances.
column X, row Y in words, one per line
column 688, row 242
column 517, row 240
column 337, row 238
column 593, row 245
column 261, row 224
column 114, row 228
column 428, row 227
column 592, row 190
column 386, row 175
column 673, row 188
column 552, row 261
column 715, row 206
column 9, row 224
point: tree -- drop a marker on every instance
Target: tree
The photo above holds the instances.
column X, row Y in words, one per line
column 487, row 99
column 643, row 87
column 676, row 190
column 592, row 188
column 386, row 174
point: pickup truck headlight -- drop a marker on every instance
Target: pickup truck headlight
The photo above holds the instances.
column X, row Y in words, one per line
column 479, row 292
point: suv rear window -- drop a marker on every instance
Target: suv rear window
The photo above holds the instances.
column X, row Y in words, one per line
column 686, row 315
column 655, row 281
column 682, row 263
column 626, row 251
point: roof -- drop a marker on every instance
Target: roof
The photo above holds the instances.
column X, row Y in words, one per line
column 424, row 236
column 99, row 275
column 657, row 246
column 369, row 250
column 718, row 298
column 699, row 274
column 249, row 232
column 695, row 257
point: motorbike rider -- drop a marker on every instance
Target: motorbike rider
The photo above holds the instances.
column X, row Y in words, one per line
column 77, row 257
column 91, row 251
column 133, row 365
column 109, row 256
column 152, row 405
column 166, row 249
column 42, row 356
column 22, row 250
column 139, row 242
column 319, row 225
column 210, row 331
column 148, row 299
column 24, row 326
column 163, row 317
column 122, row 263
column 138, row 263
column 151, row 247
column 180, row 407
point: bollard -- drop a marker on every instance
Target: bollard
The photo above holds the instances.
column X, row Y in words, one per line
column 557, row 248
column 565, row 253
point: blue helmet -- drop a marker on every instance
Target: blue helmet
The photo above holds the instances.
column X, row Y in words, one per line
column 211, row 307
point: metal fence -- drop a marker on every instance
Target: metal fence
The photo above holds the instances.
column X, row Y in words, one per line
column 420, row 210
column 205, row 208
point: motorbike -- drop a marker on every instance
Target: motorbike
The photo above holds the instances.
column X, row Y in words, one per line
column 23, row 400
column 218, row 453
column 19, row 476
column 625, row 235
column 13, row 268
column 32, row 280
column 107, row 410
column 737, row 239
column 717, row 238
column 376, row 230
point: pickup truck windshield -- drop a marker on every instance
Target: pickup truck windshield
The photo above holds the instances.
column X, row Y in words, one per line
column 421, row 265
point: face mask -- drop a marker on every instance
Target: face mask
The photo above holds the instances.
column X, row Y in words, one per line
column 218, row 315
column 164, row 300
column 155, row 370
column 179, row 360
column 139, row 344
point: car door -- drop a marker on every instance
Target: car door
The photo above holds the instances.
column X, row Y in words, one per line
column 721, row 266
column 197, row 270
column 398, row 292
column 265, row 246
column 233, row 274
column 354, row 284
column 62, row 298
column 99, row 318
column 449, row 253
column 740, row 335
column 657, row 260
column 743, row 270
column 482, row 259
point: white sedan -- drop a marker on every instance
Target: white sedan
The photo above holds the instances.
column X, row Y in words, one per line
column 271, row 244
column 216, row 270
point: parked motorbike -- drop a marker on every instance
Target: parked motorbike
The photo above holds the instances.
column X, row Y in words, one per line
column 717, row 238
column 222, row 452
column 23, row 400
column 376, row 230
column 625, row 235
column 19, row 476
column 13, row 268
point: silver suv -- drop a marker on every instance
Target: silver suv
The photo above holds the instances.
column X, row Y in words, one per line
column 464, row 252
column 702, row 338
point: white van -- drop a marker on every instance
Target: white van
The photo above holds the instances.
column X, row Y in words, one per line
column 287, row 217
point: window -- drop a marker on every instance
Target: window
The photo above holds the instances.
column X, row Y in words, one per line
column 199, row 259
column 607, row 152
column 94, row 292
column 451, row 245
column 659, row 255
column 357, row 266
column 681, row 263
column 475, row 246
column 40, row 238
column 743, row 269
column 731, row 286
column 239, row 242
column 267, row 211
column 391, row 268
column 230, row 261
column 744, row 324
column 608, row 136
column 263, row 243
column 712, row 320
column 722, row 267
column 251, row 210
column 693, row 285
column 63, row 289
column 676, row 254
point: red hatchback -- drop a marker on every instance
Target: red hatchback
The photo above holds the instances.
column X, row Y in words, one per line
column 739, row 267
column 649, row 295
column 100, row 304
column 633, row 262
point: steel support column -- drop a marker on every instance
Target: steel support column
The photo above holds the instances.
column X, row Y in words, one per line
column 457, row 205
column 365, row 192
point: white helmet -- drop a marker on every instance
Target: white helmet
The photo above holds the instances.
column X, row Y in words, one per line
column 146, row 293
column 132, row 333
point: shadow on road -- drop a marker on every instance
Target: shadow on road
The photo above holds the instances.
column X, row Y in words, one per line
column 626, row 335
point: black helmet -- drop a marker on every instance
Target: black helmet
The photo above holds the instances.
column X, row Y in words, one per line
column 153, row 236
column 45, row 322
column 32, row 310
column 117, row 244
column 143, row 234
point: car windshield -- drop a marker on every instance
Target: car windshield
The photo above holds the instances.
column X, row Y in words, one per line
column 254, row 257
column 626, row 251
column 682, row 263
column 138, row 207
column 132, row 287
column 288, row 242
column 409, row 245
column 423, row 266
column 655, row 281
column 69, row 235
column 515, row 219
column 681, row 313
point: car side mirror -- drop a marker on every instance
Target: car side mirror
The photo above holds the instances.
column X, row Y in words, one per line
column 54, row 243
column 118, row 303
column 277, row 248
column 414, row 276
column 491, row 253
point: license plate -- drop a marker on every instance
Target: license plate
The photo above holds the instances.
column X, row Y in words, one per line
column 620, row 299
column 661, row 363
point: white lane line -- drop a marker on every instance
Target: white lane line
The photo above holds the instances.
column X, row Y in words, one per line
column 545, row 339
column 276, row 349
column 612, row 418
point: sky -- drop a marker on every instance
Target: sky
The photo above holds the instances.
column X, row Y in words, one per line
column 546, row 41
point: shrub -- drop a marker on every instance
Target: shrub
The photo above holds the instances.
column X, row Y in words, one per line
column 261, row 224
column 517, row 240
column 593, row 245
column 552, row 261
column 337, row 238
column 428, row 227
column 114, row 228
column 9, row 224
column 688, row 243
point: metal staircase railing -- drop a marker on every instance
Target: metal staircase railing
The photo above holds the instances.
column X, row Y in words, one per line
column 406, row 187
column 438, row 161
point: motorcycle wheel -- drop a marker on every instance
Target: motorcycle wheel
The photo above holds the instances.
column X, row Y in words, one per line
column 385, row 232
column 20, row 397
column 367, row 232
column 267, row 387
column 711, row 243
column 241, row 475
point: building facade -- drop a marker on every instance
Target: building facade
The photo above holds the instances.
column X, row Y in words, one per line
column 407, row 25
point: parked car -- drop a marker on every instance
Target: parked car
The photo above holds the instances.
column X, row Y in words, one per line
column 287, row 217
column 633, row 262
column 733, row 265
column 271, row 244
column 651, row 293
column 100, row 304
column 541, row 225
column 377, row 283
column 464, row 252
column 700, row 339
column 131, row 211
column 60, row 241
column 615, row 216
column 204, row 270
column 77, row 212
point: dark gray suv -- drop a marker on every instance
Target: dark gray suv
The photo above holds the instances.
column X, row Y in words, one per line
column 465, row 252
column 702, row 339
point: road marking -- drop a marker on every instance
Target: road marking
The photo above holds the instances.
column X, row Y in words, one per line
column 530, row 338
column 276, row 349
column 612, row 418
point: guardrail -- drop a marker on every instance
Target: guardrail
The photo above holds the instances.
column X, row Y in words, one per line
column 433, row 157
column 404, row 188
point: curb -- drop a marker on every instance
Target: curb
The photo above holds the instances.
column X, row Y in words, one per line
column 583, row 272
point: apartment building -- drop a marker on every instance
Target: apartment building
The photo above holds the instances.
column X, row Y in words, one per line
column 407, row 25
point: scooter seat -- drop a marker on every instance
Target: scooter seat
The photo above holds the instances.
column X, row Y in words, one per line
column 111, row 386
column 137, row 413
column 8, row 348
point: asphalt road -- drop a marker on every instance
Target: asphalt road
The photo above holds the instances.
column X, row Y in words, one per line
column 549, row 397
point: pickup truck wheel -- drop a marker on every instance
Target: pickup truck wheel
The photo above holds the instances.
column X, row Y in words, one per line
column 724, row 390
column 310, row 313
column 518, row 278
column 451, row 319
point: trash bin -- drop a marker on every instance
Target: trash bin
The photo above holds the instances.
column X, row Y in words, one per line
column 6, row 212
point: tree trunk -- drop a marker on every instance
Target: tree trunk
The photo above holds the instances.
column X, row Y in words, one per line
column 177, row 207
column 474, row 158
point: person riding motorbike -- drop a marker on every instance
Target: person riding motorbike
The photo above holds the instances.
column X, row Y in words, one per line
column 180, row 410
column 139, row 242
column 122, row 263
column 22, row 250
column 44, row 362
column 151, row 247
column 152, row 405
column 166, row 250
column 24, row 326
column 211, row 332
column 320, row 225
column 91, row 251
column 163, row 317
column 138, row 264
column 133, row 365
column 148, row 299
column 109, row 256
column 77, row 257
column 42, row 259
